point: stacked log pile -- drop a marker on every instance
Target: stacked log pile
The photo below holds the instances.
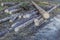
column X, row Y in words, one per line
column 25, row 16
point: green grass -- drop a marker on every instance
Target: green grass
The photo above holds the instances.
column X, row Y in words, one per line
column 1, row 8
column 42, row 4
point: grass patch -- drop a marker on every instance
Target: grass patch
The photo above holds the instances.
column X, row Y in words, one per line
column 1, row 8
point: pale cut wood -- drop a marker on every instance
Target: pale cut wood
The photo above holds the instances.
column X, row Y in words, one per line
column 41, row 11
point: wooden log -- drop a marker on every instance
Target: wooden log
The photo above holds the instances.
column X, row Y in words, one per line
column 36, row 21
column 40, row 21
column 20, row 16
column 15, row 16
column 24, row 25
column 29, row 14
column 8, row 18
column 4, row 19
column 41, row 11
column 14, row 11
column 8, row 3
column 2, row 33
column 18, row 6
column 13, row 7
column 13, row 19
column 53, row 8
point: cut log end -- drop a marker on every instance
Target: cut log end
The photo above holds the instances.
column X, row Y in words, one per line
column 16, row 29
column 6, row 11
column 20, row 17
column 10, row 21
column 36, row 22
column 10, row 12
column 2, row 4
column 26, row 16
column 46, row 16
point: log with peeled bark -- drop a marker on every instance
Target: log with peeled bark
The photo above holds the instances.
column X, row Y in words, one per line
column 41, row 11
